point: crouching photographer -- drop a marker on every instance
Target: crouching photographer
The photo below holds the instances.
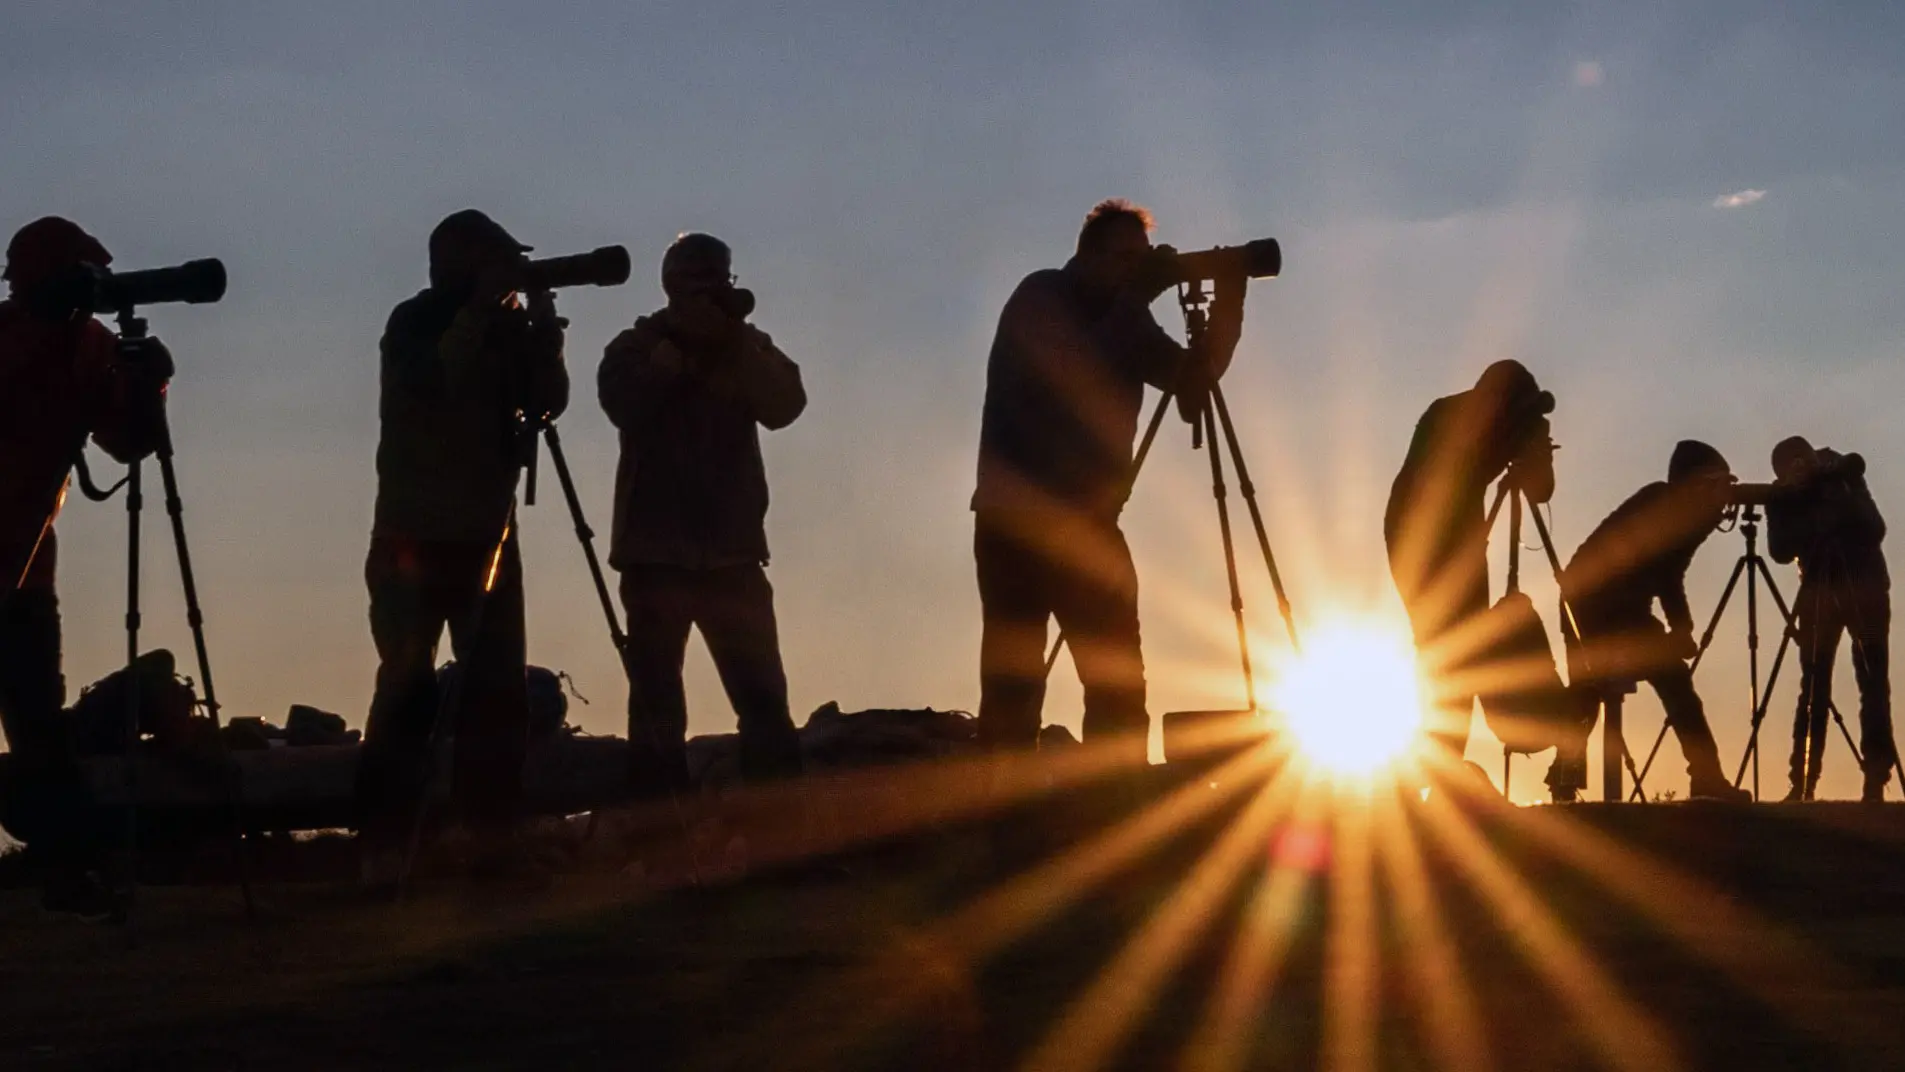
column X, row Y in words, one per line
column 1637, row 556
column 64, row 378
column 1820, row 513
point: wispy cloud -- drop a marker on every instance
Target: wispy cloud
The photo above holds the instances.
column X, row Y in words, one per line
column 1739, row 199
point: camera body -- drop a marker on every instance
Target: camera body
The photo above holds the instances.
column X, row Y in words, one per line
column 604, row 267
column 1258, row 259
column 93, row 289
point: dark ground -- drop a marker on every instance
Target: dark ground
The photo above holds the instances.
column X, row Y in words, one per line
column 1635, row 936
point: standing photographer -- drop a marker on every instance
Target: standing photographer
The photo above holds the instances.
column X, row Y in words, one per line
column 1065, row 381
column 1637, row 555
column 1822, row 514
column 689, row 388
column 1436, row 530
column 463, row 365
column 63, row 377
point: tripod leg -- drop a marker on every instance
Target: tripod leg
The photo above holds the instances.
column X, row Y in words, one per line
column 1230, row 556
column 1713, row 623
column 135, row 501
column 1762, row 705
column 1131, row 481
column 617, row 636
column 587, row 536
column 195, row 617
column 1249, row 492
column 1647, row 768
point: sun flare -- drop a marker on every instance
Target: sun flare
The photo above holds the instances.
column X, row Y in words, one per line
column 1352, row 700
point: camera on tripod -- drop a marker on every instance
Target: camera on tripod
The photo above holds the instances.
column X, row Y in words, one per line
column 1759, row 494
column 1259, row 259
column 93, row 289
column 604, row 267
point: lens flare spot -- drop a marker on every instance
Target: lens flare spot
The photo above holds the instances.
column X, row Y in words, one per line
column 1352, row 700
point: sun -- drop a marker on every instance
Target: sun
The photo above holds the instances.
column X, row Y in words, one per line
column 1352, row 699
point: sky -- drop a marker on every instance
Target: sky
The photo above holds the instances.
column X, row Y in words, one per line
column 1683, row 217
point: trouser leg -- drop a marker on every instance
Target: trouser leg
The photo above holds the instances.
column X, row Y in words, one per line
column 1870, row 628
column 50, row 803
column 656, row 604
column 1820, row 625
column 735, row 611
column 1688, row 718
column 492, row 716
column 405, row 623
column 1015, row 605
column 1097, row 607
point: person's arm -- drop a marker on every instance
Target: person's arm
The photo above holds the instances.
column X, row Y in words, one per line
column 635, row 365
column 1672, row 590
column 1130, row 336
column 127, row 386
column 767, row 380
column 1867, row 523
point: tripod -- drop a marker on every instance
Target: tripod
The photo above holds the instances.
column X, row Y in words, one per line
column 131, row 329
column 1208, row 414
column 1752, row 565
column 1614, row 751
column 617, row 636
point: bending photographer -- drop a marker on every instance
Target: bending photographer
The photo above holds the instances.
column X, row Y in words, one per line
column 1821, row 514
column 1436, row 529
column 1075, row 348
column 689, row 388
column 463, row 364
column 1637, row 555
column 63, row 377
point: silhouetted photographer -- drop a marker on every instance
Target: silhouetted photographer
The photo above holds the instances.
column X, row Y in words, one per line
column 1637, row 556
column 64, row 377
column 1436, row 525
column 1075, row 348
column 1820, row 513
column 689, row 387
column 465, row 366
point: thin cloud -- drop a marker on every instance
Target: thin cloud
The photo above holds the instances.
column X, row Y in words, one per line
column 1741, row 199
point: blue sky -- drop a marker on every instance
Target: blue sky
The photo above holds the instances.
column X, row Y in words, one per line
column 1450, row 187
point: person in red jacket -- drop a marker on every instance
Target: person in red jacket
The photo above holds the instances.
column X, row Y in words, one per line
column 64, row 378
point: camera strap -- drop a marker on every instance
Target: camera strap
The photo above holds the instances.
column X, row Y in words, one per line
column 88, row 487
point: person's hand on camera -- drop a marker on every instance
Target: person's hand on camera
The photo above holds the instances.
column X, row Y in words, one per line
column 146, row 358
column 495, row 281
column 701, row 318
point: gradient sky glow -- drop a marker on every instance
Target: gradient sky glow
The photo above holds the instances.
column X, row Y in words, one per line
column 1683, row 217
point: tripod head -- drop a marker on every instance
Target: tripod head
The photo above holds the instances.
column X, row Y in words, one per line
column 1194, row 381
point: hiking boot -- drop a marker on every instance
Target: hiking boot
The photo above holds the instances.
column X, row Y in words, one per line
column 1794, row 794
column 1720, row 790
column 1874, row 792
column 79, row 892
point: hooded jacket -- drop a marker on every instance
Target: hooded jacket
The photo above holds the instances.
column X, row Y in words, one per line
column 690, row 486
